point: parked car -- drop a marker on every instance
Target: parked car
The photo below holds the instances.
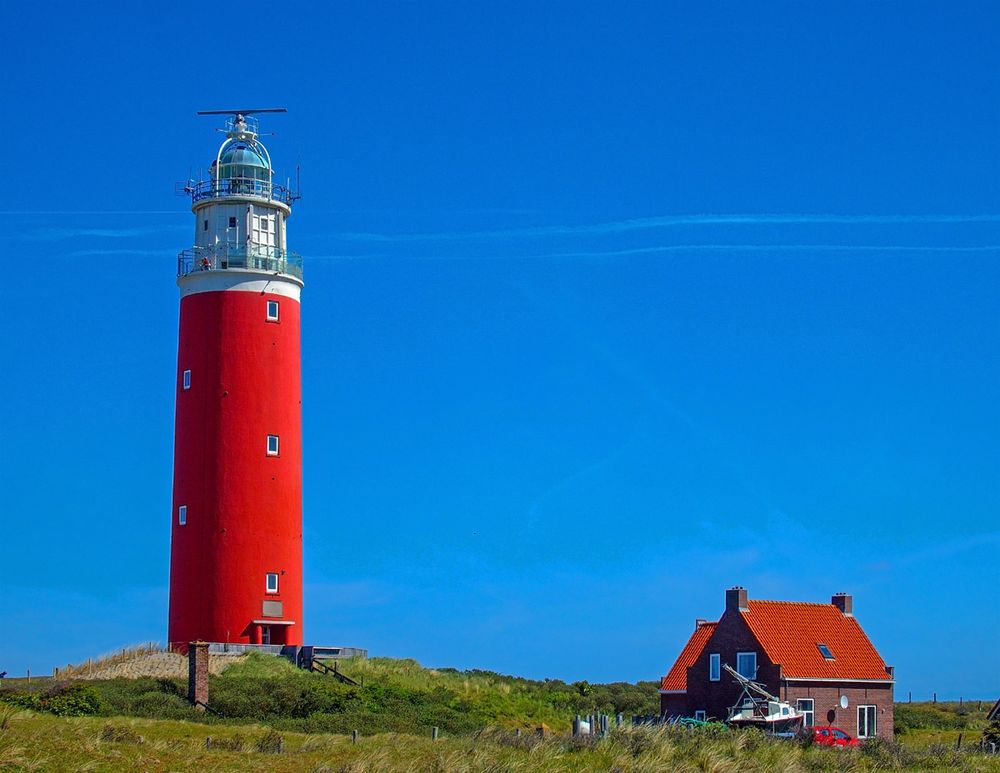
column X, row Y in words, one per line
column 833, row 736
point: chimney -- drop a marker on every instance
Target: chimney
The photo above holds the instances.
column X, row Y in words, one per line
column 736, row 599
column 844, row 603
column 198, row 674
column 699, row 622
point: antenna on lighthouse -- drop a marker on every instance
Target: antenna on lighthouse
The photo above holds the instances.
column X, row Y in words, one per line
column 244, row 112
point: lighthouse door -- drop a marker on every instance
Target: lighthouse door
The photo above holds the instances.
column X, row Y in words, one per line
column 265, row 634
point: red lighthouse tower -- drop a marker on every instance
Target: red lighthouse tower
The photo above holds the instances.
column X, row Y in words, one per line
column 236, row 525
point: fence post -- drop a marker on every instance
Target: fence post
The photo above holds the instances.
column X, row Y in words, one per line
column 576, row 725
column 434, row 733
column 29, row 676
column 354, row 736
column 935, row 697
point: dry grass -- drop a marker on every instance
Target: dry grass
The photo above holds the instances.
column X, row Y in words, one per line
column 42, row 742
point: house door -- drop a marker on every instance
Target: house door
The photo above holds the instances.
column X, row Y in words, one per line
column 265, row 634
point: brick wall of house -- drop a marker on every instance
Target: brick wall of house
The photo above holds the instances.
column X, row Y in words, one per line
column 732, row 635
column 673, row 704
column 827, row 703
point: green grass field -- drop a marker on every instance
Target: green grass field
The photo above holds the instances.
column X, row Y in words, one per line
column 146, row 724
column 32, row 741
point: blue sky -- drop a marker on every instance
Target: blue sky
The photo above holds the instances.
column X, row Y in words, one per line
column 606, row 310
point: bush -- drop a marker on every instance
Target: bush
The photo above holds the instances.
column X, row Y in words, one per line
column 62, row 699
column 118, row 734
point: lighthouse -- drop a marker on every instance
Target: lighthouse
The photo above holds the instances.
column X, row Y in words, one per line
column 236, row 519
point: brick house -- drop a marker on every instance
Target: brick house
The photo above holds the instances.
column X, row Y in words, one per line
column 814, row 656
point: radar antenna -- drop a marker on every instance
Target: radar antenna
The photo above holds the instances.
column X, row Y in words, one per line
column 244, row 112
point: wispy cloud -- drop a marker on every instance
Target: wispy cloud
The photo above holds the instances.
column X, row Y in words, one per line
column 670, row 248
column 18, row 212
column 61, row 234
column 671, row 221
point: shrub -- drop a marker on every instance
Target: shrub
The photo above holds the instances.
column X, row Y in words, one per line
column 118, row 734
column 271, row 743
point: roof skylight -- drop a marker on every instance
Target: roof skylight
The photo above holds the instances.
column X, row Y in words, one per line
column 824, row 651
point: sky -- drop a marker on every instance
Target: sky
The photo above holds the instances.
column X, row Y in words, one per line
column 608, row 307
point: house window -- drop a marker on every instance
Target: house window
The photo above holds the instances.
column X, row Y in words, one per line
column 271, row 586
column 714, row 667
column 186, row 379
column 182, row 515
column 272, row 445
column 807, row 707
column 272, row 311
column 866, row 722
column 824, row 651
column 700, row 714
column 746, row 664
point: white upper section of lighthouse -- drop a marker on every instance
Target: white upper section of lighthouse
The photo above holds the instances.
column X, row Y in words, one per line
column 240, row 212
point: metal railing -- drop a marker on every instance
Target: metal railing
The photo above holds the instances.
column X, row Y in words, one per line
column 225, row 256
column 239, row 186
column 223, row 648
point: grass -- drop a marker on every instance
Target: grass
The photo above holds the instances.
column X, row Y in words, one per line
column 269, row 707
column 35, row 741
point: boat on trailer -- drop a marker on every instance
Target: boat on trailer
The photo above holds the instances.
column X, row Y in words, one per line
column 756, row 707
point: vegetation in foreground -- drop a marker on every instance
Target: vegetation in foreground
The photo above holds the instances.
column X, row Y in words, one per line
column 266, row 706
column 33, row 741
column 393, row 696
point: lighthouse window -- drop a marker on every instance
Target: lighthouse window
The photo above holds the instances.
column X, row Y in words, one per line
column 187, row 379
column 272, row 582
column 182, row 515
column 272, row 311
column 205, row 226
column 272, row 445
column 232, row 222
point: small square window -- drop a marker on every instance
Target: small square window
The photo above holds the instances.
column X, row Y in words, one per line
column 264, row 224
column 204, row 226
column 182, row 515
column 272, row 311
column 700, row 715
column 232, row 222
column 272, row 582
column 272, row 445
column 186, row 379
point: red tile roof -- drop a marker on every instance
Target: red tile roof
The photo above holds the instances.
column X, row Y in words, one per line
column 789, row 632
column 676, row 679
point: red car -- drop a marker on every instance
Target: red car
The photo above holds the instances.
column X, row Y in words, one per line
column 833, row 736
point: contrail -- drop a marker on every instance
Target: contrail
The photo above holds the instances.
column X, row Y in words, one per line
column 668, row 221
column 673, row 248
column 16, row 212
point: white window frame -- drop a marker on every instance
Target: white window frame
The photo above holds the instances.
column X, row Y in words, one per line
column 268, row 587
column 869, row 732
column 182, row 515
column 808, row 714
column 277, row 445
column 740, row 670
column 700, row 714
column 186, row 379
column 714, row 667
column 277, row 310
